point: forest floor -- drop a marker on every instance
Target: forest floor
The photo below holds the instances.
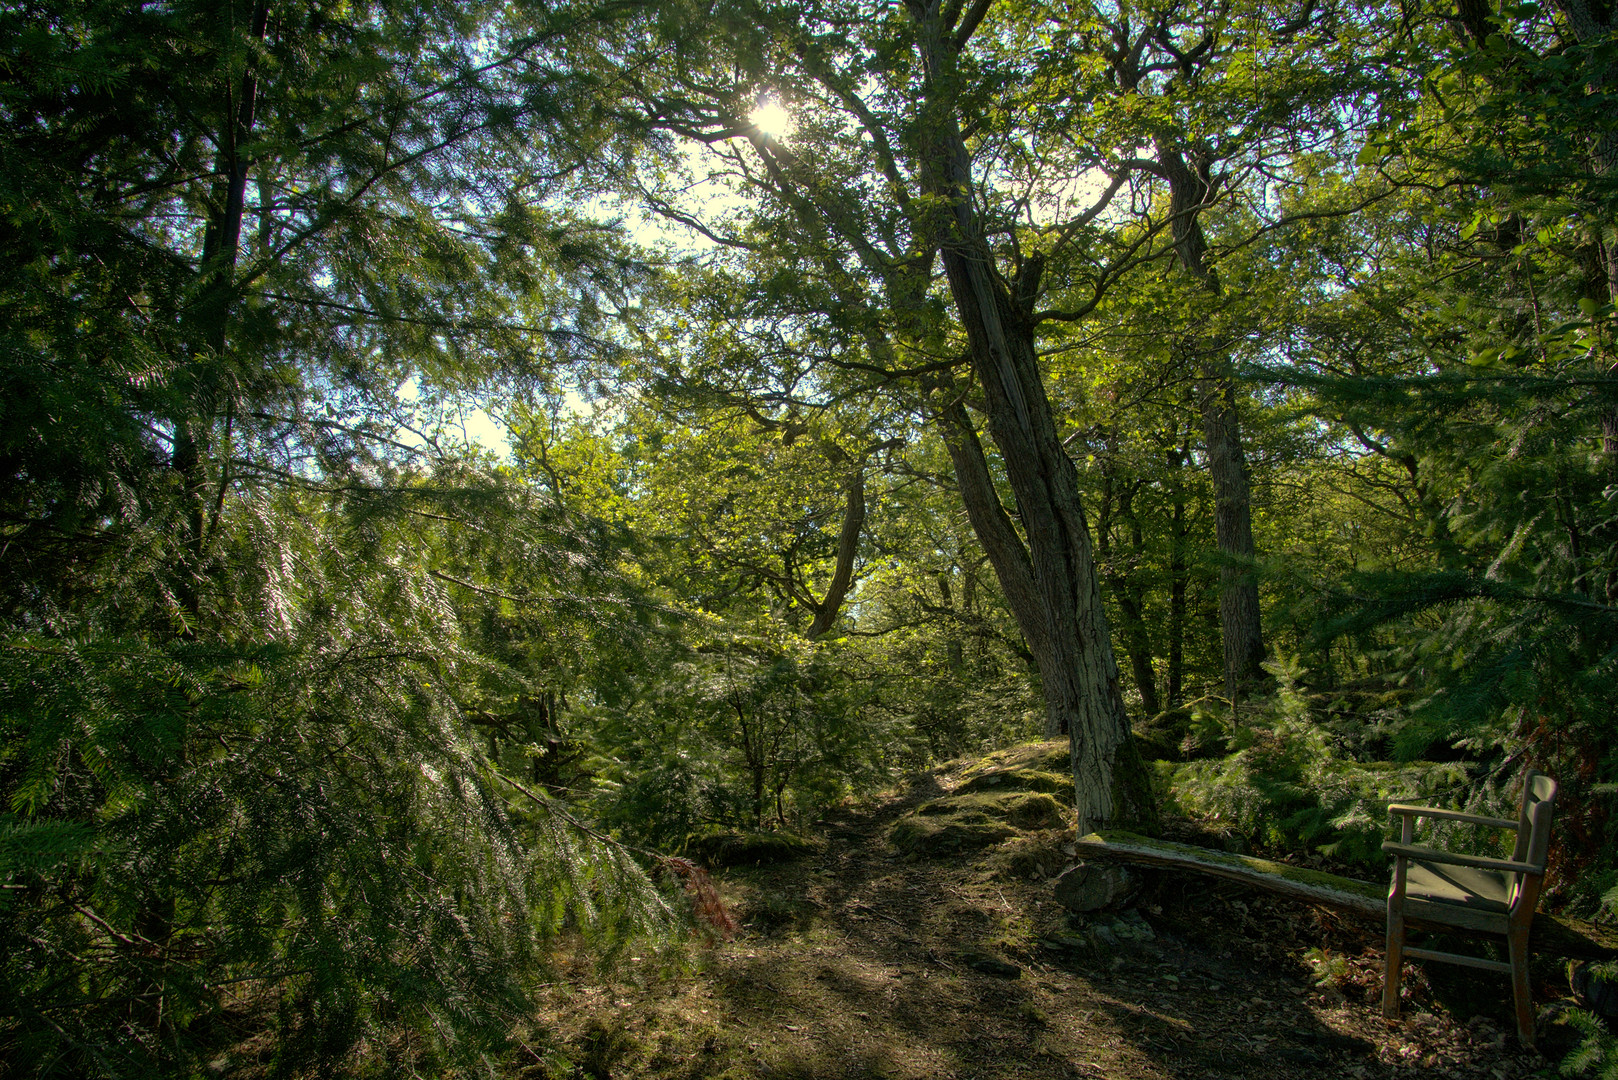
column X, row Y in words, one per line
column 865, row 960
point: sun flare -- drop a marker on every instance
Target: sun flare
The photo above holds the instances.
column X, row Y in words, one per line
column 771, row 119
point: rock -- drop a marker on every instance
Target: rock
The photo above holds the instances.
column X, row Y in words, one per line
column 990, row 965
column 1066, row 943
column 1057, row 785
column 1108, row 932
column 975, row 820
column 1092, row 886
column 1596, row 992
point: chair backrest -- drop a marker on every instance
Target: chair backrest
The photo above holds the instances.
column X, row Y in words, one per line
column 1533, row 840
column 1534, row 818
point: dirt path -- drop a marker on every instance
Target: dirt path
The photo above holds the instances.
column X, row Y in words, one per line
column 860, row 962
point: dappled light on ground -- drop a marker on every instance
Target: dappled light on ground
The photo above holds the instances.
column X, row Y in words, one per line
column 864, row 960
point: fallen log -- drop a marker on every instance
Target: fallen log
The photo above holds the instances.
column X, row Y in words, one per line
column 1558, row 935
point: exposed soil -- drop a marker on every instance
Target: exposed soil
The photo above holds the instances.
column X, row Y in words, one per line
column 860, row 961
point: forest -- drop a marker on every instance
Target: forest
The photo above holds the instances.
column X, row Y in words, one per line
column 460, row 462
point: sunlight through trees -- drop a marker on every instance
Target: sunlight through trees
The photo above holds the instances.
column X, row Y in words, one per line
column 1230, row 390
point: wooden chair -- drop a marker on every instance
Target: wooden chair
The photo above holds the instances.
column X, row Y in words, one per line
column 1494, row 896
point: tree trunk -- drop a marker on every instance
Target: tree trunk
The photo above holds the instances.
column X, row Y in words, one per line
column 1239, row 625
column 1178, row 576
column 848, row 539
column 1126, row 591
column 1050, row 580
column 1132, row 602
column 1062, row 621
column 953, row 647
column 1588, row 30
column 848, row 543
column 216, row 296
column 1138, row 646
column 155, row 919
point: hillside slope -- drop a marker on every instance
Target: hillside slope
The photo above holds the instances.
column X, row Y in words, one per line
column 921, row 939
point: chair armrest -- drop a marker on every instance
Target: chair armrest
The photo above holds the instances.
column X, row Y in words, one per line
column 1411, row 851
column 1453, row 815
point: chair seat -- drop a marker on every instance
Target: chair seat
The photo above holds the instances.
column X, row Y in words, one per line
column 1463, row 886
column 1429, row 889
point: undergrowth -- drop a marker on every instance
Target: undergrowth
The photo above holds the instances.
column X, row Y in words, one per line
column 1293, row 778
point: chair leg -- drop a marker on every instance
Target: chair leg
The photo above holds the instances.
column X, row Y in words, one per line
column 1394, row 970
column 1521, row 995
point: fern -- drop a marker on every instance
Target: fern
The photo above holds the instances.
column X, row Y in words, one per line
column 1294, row 782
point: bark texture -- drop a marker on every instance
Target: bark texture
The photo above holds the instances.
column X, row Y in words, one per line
column 1595, row 25
column 1241, row 633
column 1179, row 574
column 1239, row 628
column 1048, row 573
column 216, row 295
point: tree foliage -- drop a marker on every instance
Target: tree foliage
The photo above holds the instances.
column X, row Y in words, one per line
column 1060, row 363
column 260, row 255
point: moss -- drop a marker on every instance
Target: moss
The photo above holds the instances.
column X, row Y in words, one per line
column 731, row 847
column 1134, row 802
column 1163, row 737
column 1059, row 785
column 974, row 820
column 1031, row 767
column 1245, row 865
column 1052, row 756
column 773, row 912
column 1035, row 810
column 1024, row 809
column 1038, row 855
column 916, row 835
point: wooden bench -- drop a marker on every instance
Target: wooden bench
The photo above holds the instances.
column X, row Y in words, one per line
column 1555, row 934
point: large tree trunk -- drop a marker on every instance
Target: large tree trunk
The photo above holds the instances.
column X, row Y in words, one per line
column 1132, row 602
column 1051, row 588
column 155, row 920
column 1588, row 30
column 1048, row 573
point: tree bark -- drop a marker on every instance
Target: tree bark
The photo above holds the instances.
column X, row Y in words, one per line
column 848, row 542
column 1240, row 629
column 1590, row 31
column 1048, row 574
column 1239, row 626
column 1178, row 576
column 193, row 429
column 1126, row 590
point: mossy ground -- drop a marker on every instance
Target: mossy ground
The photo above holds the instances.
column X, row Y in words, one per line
column 994, row 800
column 862, row 961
